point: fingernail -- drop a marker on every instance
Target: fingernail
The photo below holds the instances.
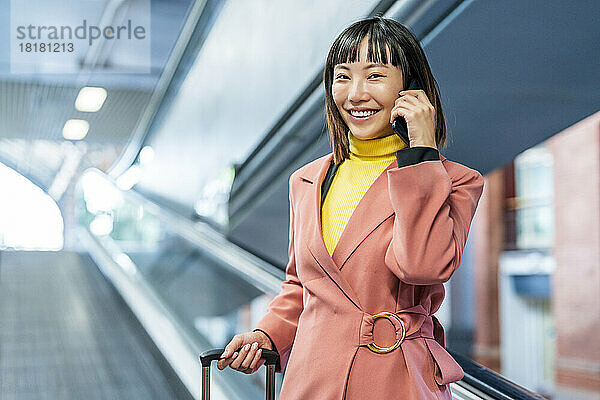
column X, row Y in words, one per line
column 225, row 354
column 247, row 347
column 234, row 355
column 254, row 345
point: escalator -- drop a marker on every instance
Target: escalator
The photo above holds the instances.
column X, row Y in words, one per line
column 66, row 334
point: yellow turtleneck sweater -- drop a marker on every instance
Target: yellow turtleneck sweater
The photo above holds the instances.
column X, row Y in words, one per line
column 368, row 159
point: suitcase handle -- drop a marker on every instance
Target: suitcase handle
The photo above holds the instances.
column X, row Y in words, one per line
column 271, row 357
column 207, row 357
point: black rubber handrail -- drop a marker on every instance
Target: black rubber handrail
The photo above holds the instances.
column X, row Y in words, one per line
column 492, row 383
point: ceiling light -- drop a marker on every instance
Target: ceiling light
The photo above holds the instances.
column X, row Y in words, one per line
column 90, row 99
column 75, row 129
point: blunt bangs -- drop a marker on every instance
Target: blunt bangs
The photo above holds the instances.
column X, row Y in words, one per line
column 382, row 46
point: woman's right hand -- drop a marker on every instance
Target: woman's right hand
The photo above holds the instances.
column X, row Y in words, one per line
column 247, row 358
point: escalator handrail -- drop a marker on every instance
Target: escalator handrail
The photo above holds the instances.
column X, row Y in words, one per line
column 492, row 383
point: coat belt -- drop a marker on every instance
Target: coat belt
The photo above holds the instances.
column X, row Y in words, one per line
column 419, row 324
column 416, row 322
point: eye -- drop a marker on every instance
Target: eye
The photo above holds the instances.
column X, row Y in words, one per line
column 341, row 76
column 376, row 75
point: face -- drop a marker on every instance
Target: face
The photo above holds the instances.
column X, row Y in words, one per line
column 364, row 94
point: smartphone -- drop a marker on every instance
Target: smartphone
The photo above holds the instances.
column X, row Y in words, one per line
column 399, row 124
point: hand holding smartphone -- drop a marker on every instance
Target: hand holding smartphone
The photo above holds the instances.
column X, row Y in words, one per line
column 399, row 124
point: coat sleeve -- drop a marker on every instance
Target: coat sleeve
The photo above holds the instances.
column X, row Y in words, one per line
column 434, row 203
column 281, row 320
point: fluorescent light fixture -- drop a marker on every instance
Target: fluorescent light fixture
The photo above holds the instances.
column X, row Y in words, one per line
column 75, row 129
column 90, row 99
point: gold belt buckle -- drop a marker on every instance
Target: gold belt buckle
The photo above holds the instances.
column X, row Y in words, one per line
column 378, row 349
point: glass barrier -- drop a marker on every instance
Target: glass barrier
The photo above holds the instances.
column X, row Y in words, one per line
column 212, row 301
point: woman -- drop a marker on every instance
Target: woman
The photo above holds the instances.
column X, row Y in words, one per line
column 367, row 262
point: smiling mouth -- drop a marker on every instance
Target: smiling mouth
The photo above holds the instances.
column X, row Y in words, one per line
column 362, row 115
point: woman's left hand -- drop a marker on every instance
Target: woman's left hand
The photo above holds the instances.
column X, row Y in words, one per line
column 419, row 114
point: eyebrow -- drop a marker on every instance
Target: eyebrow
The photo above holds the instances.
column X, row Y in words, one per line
column 339, row 66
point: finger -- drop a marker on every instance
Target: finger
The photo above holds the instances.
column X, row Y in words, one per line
column 241, row 356
column 421, row 97
column 400, row 111
column 232, row 346
column 223, row 363
column 409, row 99
column 256, row 360
column 396, row 112
column 227, row 361
column 261, row 362
column 416, row 106
column 412, row 93
column 250, row 356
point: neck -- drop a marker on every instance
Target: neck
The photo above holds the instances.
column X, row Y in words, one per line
column 377, row 148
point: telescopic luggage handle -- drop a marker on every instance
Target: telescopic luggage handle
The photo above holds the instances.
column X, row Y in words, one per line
column 206, row 358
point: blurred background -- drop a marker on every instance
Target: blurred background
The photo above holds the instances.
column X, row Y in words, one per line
column 144, row 186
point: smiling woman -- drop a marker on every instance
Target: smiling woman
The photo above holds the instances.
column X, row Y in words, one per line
column 367, row 65
column 370, row 248
column 366, row 91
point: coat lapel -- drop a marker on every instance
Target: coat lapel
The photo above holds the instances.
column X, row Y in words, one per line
column 373, row 208
column 312, row 218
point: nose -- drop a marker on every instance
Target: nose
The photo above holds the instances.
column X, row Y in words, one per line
column 358, row 91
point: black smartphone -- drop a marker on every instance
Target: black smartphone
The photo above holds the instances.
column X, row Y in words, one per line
column 399, row 124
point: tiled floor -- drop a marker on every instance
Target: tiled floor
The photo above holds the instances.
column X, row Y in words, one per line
column 65, row 334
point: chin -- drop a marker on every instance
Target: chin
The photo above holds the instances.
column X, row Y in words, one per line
column 367, row 136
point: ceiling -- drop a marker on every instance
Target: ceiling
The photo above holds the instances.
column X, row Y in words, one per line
column 35, row 106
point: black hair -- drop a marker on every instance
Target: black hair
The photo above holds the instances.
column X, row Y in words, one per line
column 388, row 42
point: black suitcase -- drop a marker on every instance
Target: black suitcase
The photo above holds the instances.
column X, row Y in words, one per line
column 206, row 358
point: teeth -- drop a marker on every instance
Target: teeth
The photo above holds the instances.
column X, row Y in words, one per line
column 362, row 113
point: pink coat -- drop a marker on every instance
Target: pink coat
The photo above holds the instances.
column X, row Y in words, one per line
column 404, row 239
